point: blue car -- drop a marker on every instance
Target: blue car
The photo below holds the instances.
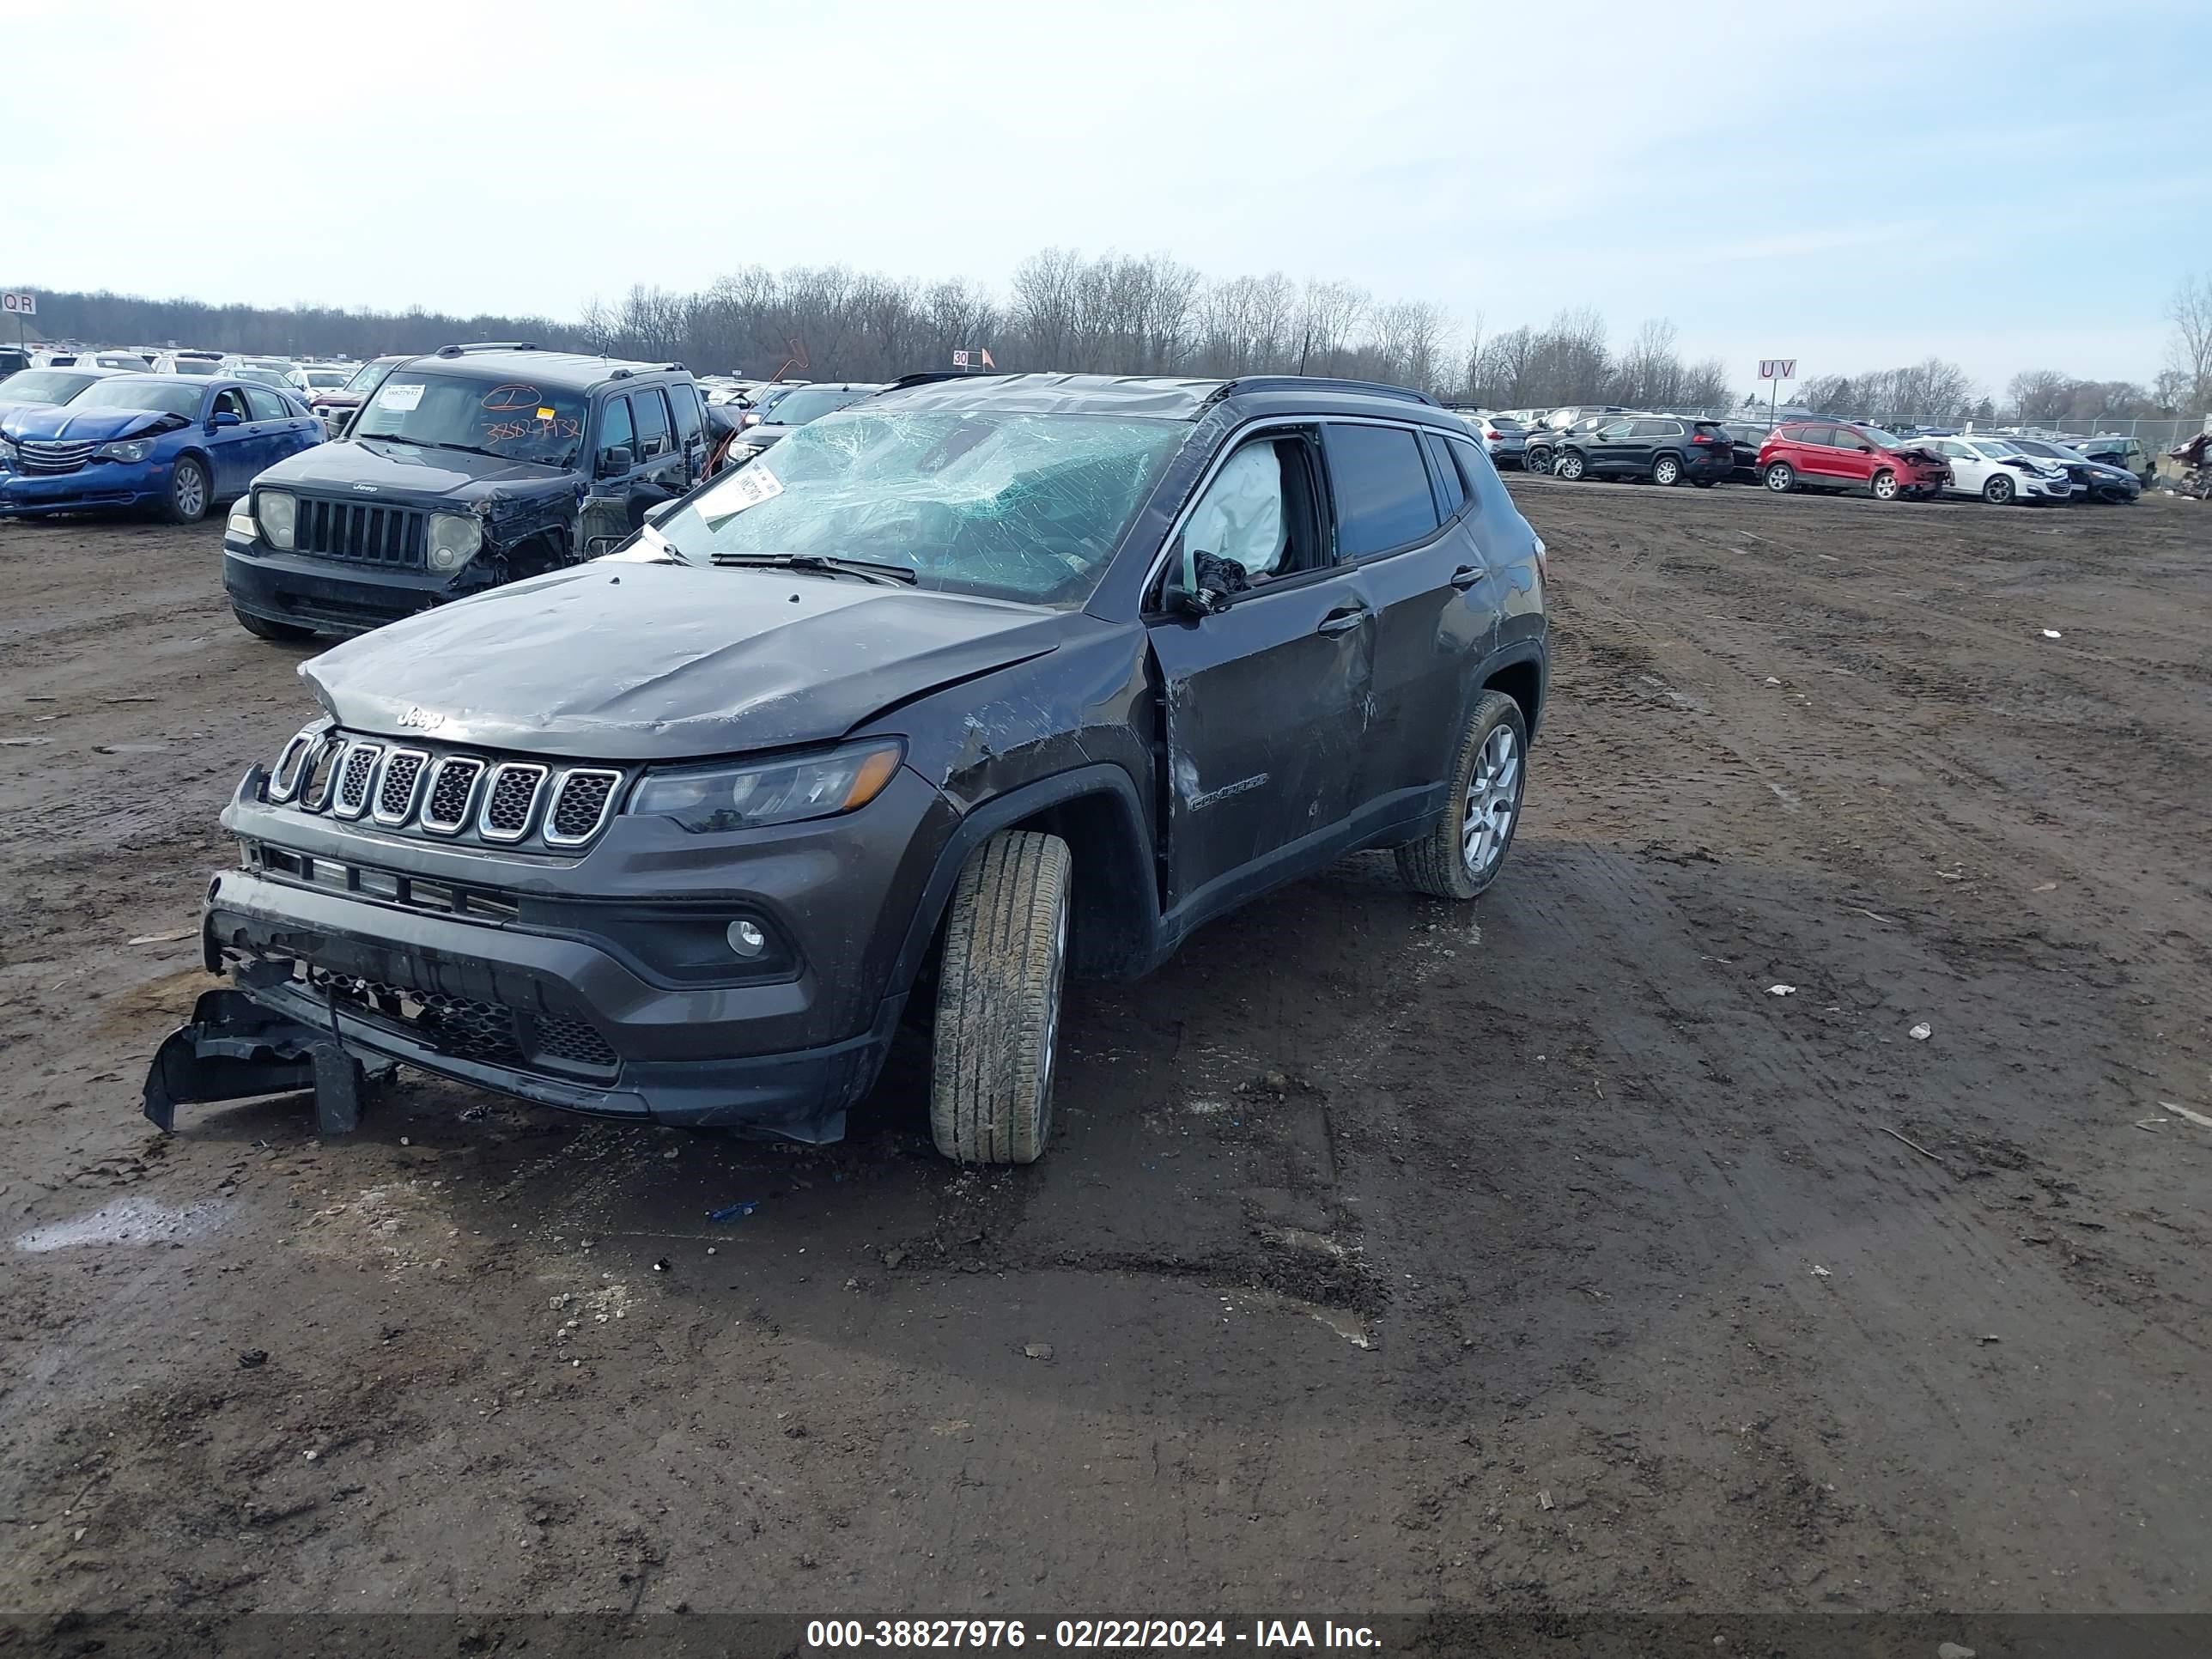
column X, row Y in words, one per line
column 175, row 443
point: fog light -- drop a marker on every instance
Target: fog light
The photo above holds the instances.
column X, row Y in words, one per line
column 747, row 940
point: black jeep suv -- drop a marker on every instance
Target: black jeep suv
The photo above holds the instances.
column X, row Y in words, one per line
column 1664, row 448
column 978, row 681
column 471, row 467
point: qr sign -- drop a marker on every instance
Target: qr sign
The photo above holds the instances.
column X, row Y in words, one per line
column 20, row 305
column 1777, row 369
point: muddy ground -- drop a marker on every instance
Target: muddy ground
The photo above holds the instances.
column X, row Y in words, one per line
column 1535, row 1256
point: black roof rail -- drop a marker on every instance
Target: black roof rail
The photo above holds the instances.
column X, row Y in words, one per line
column 1319, row 383
column 488, row 345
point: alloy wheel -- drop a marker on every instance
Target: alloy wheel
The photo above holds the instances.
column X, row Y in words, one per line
column 1493, row 797
column 191, row 493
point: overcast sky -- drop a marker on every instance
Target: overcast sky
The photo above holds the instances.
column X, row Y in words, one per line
column 2010, row 186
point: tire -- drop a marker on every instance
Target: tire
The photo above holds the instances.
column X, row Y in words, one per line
column 1667, row 470
column 1885, row 485
column 187, row 500
column 262, row 628
column 1701, row 483
column 1998, row 491
column 1537, row 461
column 1458, row 858
column 1782, row 477
column 998, row 1001
column 1569, row 466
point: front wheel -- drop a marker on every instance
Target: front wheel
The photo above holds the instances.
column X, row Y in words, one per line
column 1998, row 491
column 187, row 501
column 998, row 1001
column 1536, row 460
column 1885, row 485
column 1666, row 470
column 1569, row 466
column 1464, row 853
column 262, row 628
column 1780, row 478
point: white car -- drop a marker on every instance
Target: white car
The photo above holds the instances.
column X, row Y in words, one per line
column 308, row 378
column 1997, row 472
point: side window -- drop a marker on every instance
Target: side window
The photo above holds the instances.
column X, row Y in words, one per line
column 1242, row 515
column 1468, row 470
column 1451, row 489
column 266, row 404
column 231, row 399
column 652, row 410
column 1382, row 485
column 1612, row 431
column 615, row 431
column 1658, row 430
column 1818, row 437
column 686, row 399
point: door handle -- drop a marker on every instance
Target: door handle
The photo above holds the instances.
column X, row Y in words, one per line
column 1466, row 577
column 1344, row 620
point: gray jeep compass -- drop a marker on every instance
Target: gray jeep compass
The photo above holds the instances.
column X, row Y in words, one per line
column 980, row 682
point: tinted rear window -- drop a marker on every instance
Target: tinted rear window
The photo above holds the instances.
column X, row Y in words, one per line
column 1451, row 489
column 1382, row 486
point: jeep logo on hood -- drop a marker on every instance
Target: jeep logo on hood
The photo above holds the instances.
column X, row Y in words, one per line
column 366, row 489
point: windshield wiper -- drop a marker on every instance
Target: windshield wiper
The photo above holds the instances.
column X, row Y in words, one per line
column 866, row 569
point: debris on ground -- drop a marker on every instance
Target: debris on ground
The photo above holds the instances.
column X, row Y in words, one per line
column 1953, row 1651
column 252, row 1358
column 892, row 1258
column 1544, row 1499
column 662, row 1266
column 1782, row 990
column 167, row 938
column 1819, row 1272
column 2051, row 634
column 2184, row 1113
column 1037, row 1350
column 737, row 1212
column 1921, row 1032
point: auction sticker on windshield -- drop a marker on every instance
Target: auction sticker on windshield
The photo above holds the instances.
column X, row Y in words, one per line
column 398, row 399
column 749, row 486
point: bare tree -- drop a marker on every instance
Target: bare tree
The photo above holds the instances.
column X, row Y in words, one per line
column 2189, row 354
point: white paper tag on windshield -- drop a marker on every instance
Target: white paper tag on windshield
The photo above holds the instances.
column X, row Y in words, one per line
column 749, row 486
column 400, row 398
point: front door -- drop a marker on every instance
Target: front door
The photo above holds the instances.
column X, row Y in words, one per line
column 232, row 446
column 1611, row 449
column 1266, row 699
column 1852, row 457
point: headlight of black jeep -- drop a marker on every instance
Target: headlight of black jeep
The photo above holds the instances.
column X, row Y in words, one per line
column 277, row 514
column 454, row 539
column 724, row 797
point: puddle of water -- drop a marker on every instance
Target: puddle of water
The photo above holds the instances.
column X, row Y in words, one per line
column 126, row 1221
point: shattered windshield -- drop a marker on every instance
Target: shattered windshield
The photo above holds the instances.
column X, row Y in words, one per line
column 811, row 403
column 1012, row 506
column 512, row 419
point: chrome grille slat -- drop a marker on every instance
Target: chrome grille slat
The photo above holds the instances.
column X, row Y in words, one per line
column 51, row 457
column 579, row 805
column 452, row 788
column 292, row 766
column 321, row 780
column 398, row 781
column 510, row 800
column 356, row 780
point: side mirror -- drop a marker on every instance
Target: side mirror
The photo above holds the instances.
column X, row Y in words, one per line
column 613, row 463
column 223, row 417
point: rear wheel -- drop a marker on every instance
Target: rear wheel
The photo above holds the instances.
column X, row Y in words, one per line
column 998, row 1001
column 1885, row 485
column 1569, row 466
column 187, row 501
column 1667, row 470
column 1702, row 483
column 1998, row 491
column 1463, row 854
column 1780, row 478
column 262, row 628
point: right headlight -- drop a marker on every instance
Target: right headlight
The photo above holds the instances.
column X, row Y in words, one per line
column 6, row 453
column 278, row 516
column 454, row 539
column 714, row 799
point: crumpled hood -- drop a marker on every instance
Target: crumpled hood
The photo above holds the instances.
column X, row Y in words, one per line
column 82, row 421
column 623, row 661
column 371, row 466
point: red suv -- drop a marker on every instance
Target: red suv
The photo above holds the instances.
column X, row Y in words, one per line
column 1840, row 455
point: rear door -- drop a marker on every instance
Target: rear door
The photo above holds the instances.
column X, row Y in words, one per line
column 690, row 430
column 1266, row 700
column 659, row 460
column 1813, row 453
column 1436, row 601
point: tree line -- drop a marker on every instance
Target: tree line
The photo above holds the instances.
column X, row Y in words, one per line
column 1116, row 313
